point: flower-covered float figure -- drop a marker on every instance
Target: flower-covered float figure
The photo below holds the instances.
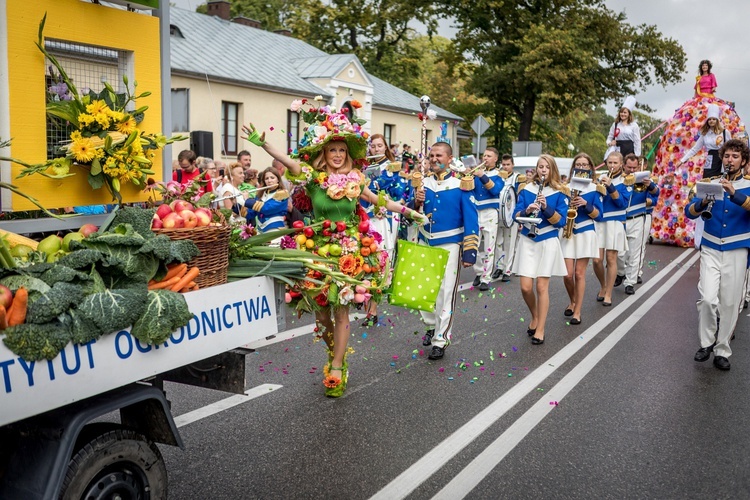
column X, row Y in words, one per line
column 669, row 222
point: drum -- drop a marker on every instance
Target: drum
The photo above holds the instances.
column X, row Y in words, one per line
column 507, row 205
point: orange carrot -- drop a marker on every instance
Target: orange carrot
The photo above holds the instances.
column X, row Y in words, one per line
column 189, row 276
column 189, row 288
column 18, row 310
column 161, row 285
column 3, row 318
column 176, row 270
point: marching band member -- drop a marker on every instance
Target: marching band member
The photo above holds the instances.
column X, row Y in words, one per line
column 270, row 208
column 486, row 198
column 539, row 255
column 610, row 232
column 396, row 187
column 453, row 226
column 624, row 135
column 628, row 262
column 724, row 254
column 713, row 136
column 579, row 243
column 507, row 236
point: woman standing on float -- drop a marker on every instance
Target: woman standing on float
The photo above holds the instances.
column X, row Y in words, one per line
column 705, row 82
column 624, row 135
column 539, row 255
column 712, row 137
column 327, row 170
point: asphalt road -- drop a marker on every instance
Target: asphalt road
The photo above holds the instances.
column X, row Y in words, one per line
column 612, row 408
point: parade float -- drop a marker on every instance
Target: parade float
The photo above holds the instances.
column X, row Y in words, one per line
column 669, row 222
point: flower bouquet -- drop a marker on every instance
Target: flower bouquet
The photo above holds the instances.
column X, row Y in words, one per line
column 104, row 139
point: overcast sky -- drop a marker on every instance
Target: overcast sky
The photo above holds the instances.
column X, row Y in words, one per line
column 715, row 30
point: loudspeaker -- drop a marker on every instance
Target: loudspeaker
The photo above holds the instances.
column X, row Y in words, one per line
column 202, row 142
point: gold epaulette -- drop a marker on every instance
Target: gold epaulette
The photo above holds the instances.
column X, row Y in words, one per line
column 601, row 189
column 503, row 174
column 746, row 177
column 281, row 195
column 565, row 190
column 521, row 179
column 404, row 175
column 522, row 185
column 629, row 180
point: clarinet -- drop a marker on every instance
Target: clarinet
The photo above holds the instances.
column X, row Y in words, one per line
column 533, row 229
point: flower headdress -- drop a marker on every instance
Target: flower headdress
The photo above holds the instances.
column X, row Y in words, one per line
column 326, row 124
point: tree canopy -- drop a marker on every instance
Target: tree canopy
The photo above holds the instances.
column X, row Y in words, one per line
column 556, row 56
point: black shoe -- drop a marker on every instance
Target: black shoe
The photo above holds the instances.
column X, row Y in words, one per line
column 536, row 341
column 606, row 304
column 575, row 321
column 436, row 353
column 427, row 339
column 704, row 353
column 629, row 290
column 599, row 298
column 744, row 306
column 568, row 312
column 477, row 280
column 370, row 321
column 531, row 331
column 506, row 278
column 639, row 280
column 618, row 280
column 484, row 287
column 721, row 363
column 496, row 273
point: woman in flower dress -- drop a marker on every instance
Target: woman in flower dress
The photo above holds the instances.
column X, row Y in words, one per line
column 326, row 165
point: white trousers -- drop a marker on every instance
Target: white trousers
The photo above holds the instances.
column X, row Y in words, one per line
column 488, row 234
column 628, row 261
column 720, row 285
column 442, row 318
column 507, row 238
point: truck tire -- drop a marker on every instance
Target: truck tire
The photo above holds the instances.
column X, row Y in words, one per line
column 119, row 463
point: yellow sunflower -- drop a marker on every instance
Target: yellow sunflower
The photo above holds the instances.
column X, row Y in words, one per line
column 83, row 150
column 97, row 107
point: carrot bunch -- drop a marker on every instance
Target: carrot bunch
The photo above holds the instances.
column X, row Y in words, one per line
column 179, row 278
column 16, row 313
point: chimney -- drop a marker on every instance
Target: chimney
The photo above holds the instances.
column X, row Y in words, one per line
column 246, row 21
column 218, row 8
column 283, row 32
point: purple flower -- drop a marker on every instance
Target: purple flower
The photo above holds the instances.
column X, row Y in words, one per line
column 288, row 242
column 246, row 231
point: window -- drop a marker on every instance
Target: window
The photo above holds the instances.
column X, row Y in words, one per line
column 180, row 110
column 292, row 126
column 229, row 116
column 388, row 134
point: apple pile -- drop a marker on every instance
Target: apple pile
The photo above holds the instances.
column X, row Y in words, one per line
column 55, row 246
column 180, row 214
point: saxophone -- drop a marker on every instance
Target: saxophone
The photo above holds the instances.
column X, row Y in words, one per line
column 572, row 212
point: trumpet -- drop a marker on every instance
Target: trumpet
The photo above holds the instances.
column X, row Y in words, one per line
column 706, row 214
column 533, row 229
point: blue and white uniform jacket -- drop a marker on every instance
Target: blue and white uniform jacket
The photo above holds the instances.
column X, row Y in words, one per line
column 592, row 211
column 453, row 216
column 553, row 216
column 729, row 226
column 487, row 190
column 617, row 198
column 269, row 211
column 653, row 198
column 397, row 187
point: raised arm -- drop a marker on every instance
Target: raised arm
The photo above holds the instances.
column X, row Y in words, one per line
column 260, row 140
column 392, row 206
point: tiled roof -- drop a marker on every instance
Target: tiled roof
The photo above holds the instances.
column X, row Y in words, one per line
column 236, row 53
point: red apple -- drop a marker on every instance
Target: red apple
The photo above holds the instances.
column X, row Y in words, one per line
column 340, row 226
column 163, row 211
column 364, row 226
column 309, row 232
column 157, row 224
column 180, row 205
column 204, row 216
column 326, row 224
column 88, row 229
column 189, row 217
column 173, row 221
column 6, row 296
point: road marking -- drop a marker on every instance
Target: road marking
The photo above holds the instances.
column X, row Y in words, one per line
column 466, row 480
column 224, row 404
column 435, row 459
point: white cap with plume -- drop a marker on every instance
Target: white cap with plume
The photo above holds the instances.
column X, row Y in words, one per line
column 629, row 103
column 713, row 111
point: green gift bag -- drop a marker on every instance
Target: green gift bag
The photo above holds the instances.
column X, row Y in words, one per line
column 418, row 275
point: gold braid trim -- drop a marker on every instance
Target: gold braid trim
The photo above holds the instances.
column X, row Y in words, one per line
column 555, row 218
column 490, row 184
column 692, row 210
column 257, row 206
column 601, row 189
column 471, row 242
column 594, row 213
column 746, row 203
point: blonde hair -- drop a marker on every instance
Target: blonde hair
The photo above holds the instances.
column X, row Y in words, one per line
column 554, row 173
column 319, row 163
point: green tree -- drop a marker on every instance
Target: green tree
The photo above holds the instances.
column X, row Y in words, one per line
column 555, row 56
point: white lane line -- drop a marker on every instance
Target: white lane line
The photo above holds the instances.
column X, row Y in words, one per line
column 465, row 481
column 435, row 459
column 224, row 404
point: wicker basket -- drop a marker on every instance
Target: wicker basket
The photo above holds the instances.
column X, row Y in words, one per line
column 213, row 243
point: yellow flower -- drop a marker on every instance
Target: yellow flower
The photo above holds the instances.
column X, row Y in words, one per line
column 97, row 107
column 75, row 135
column 60, row 166
column 103, row 120
column 83, row 150
column 117, row 116
column 127, row 126
column 85, row 120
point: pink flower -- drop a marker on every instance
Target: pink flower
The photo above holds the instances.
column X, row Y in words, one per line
column 288, row 242
column 296, row 105
column 246, row 231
